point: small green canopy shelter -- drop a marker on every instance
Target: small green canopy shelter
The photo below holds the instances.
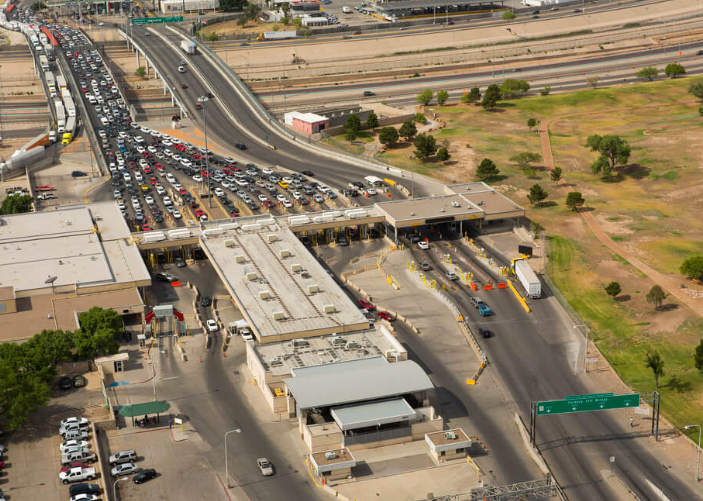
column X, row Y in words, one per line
column 144, row 409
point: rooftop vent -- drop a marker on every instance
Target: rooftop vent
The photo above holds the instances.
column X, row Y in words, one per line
column 300, row 343
column 251, row 275
column 239, row 258
column 329, row 308
column 351, row 345
column 296, row 267
column 313, row 288
column 265, row 294
column 283, row 253
column 229, row 242
column 278, row 315
column 271, row 237
column 480, row 202
column 275, row 362
column 455, row 203
column 330, row 455
column 337, row 340
column 450, row 435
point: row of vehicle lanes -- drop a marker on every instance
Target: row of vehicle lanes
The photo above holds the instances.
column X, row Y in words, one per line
column 160, row 181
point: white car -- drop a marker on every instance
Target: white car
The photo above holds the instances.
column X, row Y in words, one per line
column 167, row 201
column 219, row 192
column 85, row 497
column 177, row 214
column 423, row 245
column 149, row 200
column 246, row 335
column 287, row 204
column 124, row 469
column 73, row 443
column 198, row 178
column 267, row 171
column 74, row 448
column 212, row 326
column 81, row 422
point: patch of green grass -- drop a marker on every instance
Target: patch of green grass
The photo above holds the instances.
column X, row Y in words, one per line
column 618, row 238
column 618, row 257
column 613, row 218
column 621, row 342
column 669, row 253
column 676, row 233
column 457, row 131
column 449, row 109
column 671, row 176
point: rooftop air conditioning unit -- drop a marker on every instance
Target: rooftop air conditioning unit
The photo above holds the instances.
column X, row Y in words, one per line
column 265, row 294
column 296, row 267
column 330, row 455
column 480, row 202
column 338, row 340
column 251, row 275
column 455, row 203
column 275, row 362
column 300, row 343
column 278, row 315
column 271, row 237
column 229, row 242
column 329, row 308
column 351, row 345
column 450, row 435
column 283, row 253
column 239, row 258
column 313, row 288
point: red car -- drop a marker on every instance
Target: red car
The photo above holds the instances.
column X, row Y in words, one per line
column 367, row 305
column 198, row 106
column 193, row 204
column 199, row 212
column 153, row 180
column 147, row 170
column 184, row 86
column 269, row 203
column 182, row 191
column 386, row 316
column 158, row 166
column 197, row 157
column 146, row 227
column 68, row 467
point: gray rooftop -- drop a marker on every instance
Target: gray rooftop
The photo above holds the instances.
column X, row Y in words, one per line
column 278, row 285
column 493, row 203
column 359, row 381
column 418, row 210
column 373, row 414
column 280, row 359
column 80, row 245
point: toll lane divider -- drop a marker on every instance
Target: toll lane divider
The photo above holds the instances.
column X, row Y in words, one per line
column 521, row 299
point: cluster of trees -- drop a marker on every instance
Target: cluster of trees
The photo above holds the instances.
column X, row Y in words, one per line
column 655, row 296
column 671, row 70
column 233, row 5
column 509, row 89
column 692, row 267
column 425, row 97
column 251, row 10
column 27, row 369
column 353, row 125
column 16, row 204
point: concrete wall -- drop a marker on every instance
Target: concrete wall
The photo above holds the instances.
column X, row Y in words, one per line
column 8, row 306
column 419, row 429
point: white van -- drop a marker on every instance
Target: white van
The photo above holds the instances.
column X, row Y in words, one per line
column 346, row 10
column 181, row 69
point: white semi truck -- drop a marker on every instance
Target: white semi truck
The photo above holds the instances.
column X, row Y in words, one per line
column 188, row 47
column 528, row 279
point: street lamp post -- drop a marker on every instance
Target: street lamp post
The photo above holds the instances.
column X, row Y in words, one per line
column 114, row 486
column 585, row 351
column 698, row 456
column 226, row 466
column 202, row 100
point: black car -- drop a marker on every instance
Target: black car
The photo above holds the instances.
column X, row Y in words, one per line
column 485, row 333
column 699, row 53
column 65, row 383
column 77, row 489
column 308, row 173
column 368, row 93
column 205, row 301
column 165, row 277
column 78, row 173
column 240, row 146
column 144, row 475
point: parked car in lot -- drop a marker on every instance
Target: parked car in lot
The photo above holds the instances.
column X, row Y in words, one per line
column 265, row 467
column 367, row 305
column 79, row 381
column 65, row 383
column 85, row 497
column 77, row 489
column 82, row 422
column 68, row 444
column 123, row 457
column 124, row 469
column 144, row 476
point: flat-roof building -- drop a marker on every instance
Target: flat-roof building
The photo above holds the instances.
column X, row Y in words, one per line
column 280, row 288
column 55, row 264
column 310, row 123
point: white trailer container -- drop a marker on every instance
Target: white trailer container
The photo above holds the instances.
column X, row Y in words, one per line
column 528, row 279
column 60, row 116
column 70, row 106
column 60, row 82
column 277, row 35
column 71, row 125
column 188, row 47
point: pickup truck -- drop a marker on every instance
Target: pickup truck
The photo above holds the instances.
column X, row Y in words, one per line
column 484, row 310
column 77, row 475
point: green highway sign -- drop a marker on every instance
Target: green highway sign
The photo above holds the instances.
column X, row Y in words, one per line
column 157, row 20
column 584, row 403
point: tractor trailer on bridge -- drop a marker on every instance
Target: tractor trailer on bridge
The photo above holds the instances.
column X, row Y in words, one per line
column 188, row 47
column 528, row 279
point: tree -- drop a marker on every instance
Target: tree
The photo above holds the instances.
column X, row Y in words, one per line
column 700, row 111
column 555, row 174
column 698, row 356
column 697, row 90
column 98, row 333
column 674, row 70
column 213, row 37
column 55, row 346
column 442, row 96
column 408, row 129
column 508, row 15
column 537, row 194
column 531, row 122
column 16, row 204
column 592, row 81
column 525, row 160
column 656, row 296
column 491, row 97
column 352, row 127
column 297, row 22
column 512, row 88
column 613, row 289
column 487, row 170
column 613, row 150
column 37, row 6
column 372, row 121
column 544, row 91
column 692, row 267
column 140, row 72
column 574, row 200
column 472, row 96
column 443, row 154
column 285, row 8
column 425, row 96
column 420, row 118
column 232, row 5
column 388, row 136
column 648, row 73
column 654, row 361
column 425, row 146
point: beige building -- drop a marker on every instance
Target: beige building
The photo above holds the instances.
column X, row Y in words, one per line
column 448, row 445
column 333, row 465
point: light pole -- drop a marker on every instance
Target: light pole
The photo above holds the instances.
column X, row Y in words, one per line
column 698, row 461
column 114, row 486
column 202, row 100
column 226, row 466
column 585, row 351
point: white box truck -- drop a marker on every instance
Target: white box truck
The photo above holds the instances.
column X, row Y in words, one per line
column 277, row 35
column 188, row 47
column 528, row 279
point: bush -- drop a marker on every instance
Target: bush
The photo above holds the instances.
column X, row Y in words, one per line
column 420, row 118
column 544, row 91
column 443, row 155
column 508, row 15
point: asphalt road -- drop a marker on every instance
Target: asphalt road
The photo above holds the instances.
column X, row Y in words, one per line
column 225, row 133
column 535, row 355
